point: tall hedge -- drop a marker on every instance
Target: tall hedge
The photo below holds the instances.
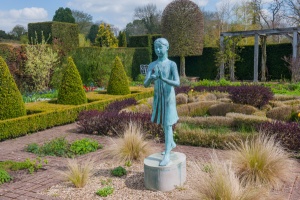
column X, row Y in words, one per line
column 71, row 90
column 63, row 34
column 11, row 102
column 94, row 63
column 118, row 81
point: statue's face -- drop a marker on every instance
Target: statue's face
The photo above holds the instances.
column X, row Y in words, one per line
column 160, row 49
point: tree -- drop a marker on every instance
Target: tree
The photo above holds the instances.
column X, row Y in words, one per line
column 229, row 54
column 41, row 62
column 182, row 26
column 150, row 17
column 12, row 104
column 105, row 36
column 3, row 35
column 118, row 81
column 137, row 27
column 93, row 33
column 71, row 90
column 18, row 31
column 293, row 11
column 83, row 20
column 63, row 15
column 122, row 39
column 211, row 34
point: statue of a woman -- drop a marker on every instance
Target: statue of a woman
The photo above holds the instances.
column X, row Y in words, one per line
column 163, row 72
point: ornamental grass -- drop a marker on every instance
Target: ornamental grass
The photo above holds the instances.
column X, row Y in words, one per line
column 217, row 180
column 78, row 173
column 130, row 146
column 261, row 161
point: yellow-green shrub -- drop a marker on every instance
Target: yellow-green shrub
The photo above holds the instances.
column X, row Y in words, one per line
column 210, row 121
column 280, row 113
column 71, row 90
column 223, row 108
column 181, row 98
column 247, row 120
column 11, row 103
column 118, row 82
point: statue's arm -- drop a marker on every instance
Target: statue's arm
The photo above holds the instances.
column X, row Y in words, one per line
column 175, row 81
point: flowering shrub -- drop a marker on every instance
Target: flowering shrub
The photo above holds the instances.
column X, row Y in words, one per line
column 288, row 133
column 89, row 88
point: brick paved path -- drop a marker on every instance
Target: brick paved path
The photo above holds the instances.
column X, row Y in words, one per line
column 30, row 186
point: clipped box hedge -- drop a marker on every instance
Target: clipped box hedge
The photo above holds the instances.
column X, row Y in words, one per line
column 50, row 115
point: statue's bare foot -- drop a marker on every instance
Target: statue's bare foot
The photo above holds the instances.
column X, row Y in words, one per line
column 173, row 145
column 165, row 160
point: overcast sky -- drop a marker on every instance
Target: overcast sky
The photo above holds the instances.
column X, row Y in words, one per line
column 116, row 12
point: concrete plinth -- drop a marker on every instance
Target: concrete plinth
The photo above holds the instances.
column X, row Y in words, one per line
column 164, row 178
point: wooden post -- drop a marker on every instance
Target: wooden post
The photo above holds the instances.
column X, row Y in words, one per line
column 256, row 50
column 263, row 57
column 222, row 68
column 295, row 43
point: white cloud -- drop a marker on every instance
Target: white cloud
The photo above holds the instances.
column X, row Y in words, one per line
column 202, row 3
column 11, row 18
column 120, row 13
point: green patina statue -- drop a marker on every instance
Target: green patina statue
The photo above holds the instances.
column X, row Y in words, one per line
column 163, row 72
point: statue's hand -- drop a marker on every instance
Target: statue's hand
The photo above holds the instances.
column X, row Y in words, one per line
column 153, row 77
column 160, row 74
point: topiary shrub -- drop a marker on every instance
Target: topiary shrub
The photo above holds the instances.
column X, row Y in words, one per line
column 71, row 90
column 181, row 98
column 11, row 104
column 118, row 81
column 282, row 113
column 223, row 108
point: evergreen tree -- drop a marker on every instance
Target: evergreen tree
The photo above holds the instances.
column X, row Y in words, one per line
column 122, row 39
column 118, row 82
column 93, row 33
column 71, row 90
column 63, row 15
column 12, row 104
column 105, row 36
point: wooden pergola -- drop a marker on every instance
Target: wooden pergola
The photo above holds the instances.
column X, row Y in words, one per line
column 292, row 33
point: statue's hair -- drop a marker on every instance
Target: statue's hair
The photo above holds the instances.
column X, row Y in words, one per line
column 162, row 41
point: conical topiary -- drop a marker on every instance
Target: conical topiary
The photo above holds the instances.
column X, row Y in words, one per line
column 71, row 90
column 118, row 82
column 11, row 102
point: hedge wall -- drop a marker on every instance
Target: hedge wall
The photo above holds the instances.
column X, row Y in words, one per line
column 140, row 41
column 94, row 63
column 20, row 126
column 61, row 33
column 204, row 66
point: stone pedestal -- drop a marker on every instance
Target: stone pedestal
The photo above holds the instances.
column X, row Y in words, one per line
column 164, row 178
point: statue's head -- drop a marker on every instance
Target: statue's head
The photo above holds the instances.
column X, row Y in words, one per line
column 162, row 41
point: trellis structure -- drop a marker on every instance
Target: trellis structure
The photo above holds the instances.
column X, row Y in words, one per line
column 292, row 33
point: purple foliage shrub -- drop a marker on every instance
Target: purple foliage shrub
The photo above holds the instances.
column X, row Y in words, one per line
column 113, row 123
column 288, row 133
column 182, row 89
column 119, row 105
column 254, row 95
